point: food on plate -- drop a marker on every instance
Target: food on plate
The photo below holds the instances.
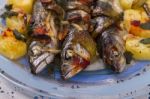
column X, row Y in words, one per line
column 100, row 24
column 16, row 20
column 17, row 23
column 77, row 12
column 78, row 51
column 135, row 21
column 139, row 47
column 110, row 8
column 129, row 4
column 11, row 47
column 23, row 5
column 44, row 43
column 79, row 32
column 112, row 48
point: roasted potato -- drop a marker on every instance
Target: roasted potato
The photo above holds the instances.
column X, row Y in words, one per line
column 126, row 4
column 19, row 22
column 24, row 5
column 10, row 47
column 139, row 50
column 148, row 2
column 16, row 23
column 129, row 4
column 132, row 21
column 138, row 31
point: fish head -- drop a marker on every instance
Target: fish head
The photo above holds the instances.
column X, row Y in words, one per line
column 113, row 50
column 38, row 57
column 114, row 57
column 75, row 59
column 78, row 50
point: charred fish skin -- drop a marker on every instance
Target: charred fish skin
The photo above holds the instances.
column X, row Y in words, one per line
column 78, row 50
column 84, row 5
column 38, row 20
column 109, row 8
column 77, row 11
column 53, row 6
column 43, row 21
column 44, row 43
column 99, row 24
column 111, row 49
column 79, row 17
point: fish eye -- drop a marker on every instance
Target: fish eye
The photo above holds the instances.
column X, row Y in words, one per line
column 115, row 54
column 69, row 54
column 36, row 50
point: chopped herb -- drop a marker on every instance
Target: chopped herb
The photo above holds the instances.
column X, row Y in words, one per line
column 9, row 14
column 29, row 29
column 145, row 26
column 30, row 26
column 145, row 41
column 8, row 7
column 19, row 36
column 129, row 56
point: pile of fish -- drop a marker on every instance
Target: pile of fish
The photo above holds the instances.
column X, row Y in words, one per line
column 78, row 31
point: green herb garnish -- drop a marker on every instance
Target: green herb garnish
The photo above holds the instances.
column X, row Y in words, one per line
column 129, row 56
column 9, row 14
column 8, row 7
column 145, row 26
column 19, row 36
column 145, row 41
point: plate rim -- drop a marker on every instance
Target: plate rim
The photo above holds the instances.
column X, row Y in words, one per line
column 9, row 68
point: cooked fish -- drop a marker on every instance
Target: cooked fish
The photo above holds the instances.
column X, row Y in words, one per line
column 112, row 49
column 78, row 51
column 44, row 43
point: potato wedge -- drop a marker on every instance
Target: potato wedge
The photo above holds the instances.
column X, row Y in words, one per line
column 148, row 2
column 24, row 5
column 132, row 21
column 12, row 48
column 126, row 4
column 139, row 50
column 16, row 23
column 138, row 31
column 129, row 4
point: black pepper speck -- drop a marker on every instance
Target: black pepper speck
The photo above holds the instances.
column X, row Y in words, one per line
column 2, row 91
column 138, row 74
column 12, row 92
column 72, row 86
column 144, row 70
column 78, row 86
column 2, row 72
